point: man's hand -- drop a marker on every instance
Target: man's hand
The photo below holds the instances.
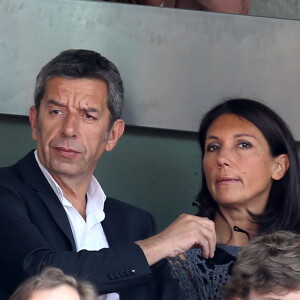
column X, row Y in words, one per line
column 186, row 232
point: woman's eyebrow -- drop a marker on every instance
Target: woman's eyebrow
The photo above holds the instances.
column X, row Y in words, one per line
column 237, row 135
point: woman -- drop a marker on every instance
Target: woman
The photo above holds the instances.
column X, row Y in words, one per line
column 250, row 186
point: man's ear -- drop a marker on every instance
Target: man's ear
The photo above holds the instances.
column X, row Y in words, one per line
column 282, row 163
column 114, row 134
column 33, row 121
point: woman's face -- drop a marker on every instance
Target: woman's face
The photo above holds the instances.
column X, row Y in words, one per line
column 238, row 166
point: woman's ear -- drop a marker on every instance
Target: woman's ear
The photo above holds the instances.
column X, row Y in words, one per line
column 282, row 163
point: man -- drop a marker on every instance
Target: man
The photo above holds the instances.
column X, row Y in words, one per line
column 53, row 212
column 267, row 269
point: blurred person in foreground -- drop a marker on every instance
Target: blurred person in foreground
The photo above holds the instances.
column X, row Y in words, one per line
column 267, row 269
column 53, row 284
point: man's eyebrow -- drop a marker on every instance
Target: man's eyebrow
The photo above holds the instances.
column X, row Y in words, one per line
column 57, row 103
column 54, row 102
column 90, row 109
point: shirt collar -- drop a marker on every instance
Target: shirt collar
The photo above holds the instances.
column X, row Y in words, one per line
column 95, row 194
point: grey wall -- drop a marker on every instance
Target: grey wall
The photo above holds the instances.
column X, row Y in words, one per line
column 175, row 63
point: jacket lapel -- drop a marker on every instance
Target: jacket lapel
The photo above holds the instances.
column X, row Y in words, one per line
column 115, row 231
column 111, row 225
column 34, row 178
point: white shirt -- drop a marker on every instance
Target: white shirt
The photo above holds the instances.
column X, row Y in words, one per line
column 88, row 234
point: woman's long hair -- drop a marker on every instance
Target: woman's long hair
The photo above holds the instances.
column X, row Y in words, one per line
column 283, row 207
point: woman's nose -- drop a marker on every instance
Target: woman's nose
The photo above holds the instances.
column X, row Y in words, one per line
column 224, row 158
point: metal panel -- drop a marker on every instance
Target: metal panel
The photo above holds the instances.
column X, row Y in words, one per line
column 175, row 63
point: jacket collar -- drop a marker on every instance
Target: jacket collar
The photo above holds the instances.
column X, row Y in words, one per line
column 34, row 178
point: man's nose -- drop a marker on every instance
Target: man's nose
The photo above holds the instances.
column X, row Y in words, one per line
column 70, row 126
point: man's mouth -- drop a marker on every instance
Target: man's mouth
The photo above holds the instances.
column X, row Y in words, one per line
column 66, row 152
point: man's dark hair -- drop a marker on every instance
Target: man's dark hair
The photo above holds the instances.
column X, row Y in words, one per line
column 76, row 64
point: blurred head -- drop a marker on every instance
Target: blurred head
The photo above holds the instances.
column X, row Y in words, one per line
column 269, row 268
column 87, row 64
column 282, row 207
column 53, row 284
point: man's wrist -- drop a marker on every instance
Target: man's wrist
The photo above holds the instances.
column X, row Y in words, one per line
column 153, row 248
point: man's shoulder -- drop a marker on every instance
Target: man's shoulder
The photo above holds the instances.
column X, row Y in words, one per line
column 27, row 163
column 9, row 173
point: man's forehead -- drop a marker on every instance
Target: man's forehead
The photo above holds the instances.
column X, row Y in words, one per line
column 62, row 89
column 66, row 81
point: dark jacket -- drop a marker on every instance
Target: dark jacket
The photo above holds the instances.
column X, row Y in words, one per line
column 35, row 233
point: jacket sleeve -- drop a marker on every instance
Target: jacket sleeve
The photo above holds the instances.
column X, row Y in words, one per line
column 31, row 240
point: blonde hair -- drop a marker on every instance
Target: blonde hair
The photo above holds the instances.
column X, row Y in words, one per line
column 51, row 278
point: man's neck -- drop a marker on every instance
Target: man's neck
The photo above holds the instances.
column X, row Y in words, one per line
column 75, row 193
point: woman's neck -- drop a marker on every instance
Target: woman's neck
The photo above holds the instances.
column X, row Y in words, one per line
column 227, row 220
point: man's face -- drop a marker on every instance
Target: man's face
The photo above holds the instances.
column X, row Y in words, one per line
column 72, row 127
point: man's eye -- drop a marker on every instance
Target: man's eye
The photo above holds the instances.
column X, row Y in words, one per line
column 55, row 112
column 90, row 117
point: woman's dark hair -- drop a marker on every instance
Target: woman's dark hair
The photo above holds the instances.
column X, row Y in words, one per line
column 283, row 207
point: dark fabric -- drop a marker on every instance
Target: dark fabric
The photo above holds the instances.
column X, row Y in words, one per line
column 199, row 279
column 35, row 233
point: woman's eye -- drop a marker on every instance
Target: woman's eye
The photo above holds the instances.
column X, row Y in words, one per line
column 244, row 145
column 212, row 148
